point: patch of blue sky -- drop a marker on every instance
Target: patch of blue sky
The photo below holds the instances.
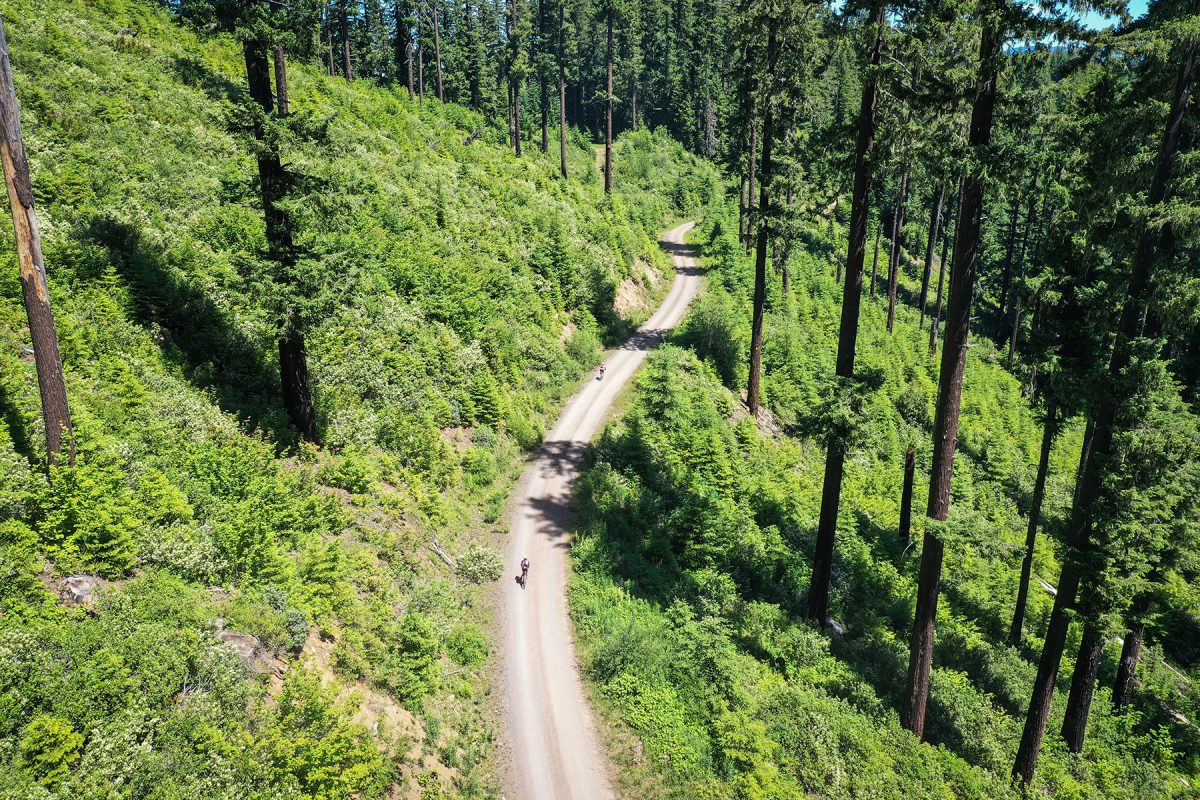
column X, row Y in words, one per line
column 1097, row 21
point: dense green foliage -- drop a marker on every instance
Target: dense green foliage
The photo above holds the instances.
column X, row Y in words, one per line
column 455, row 294
column 693, row 567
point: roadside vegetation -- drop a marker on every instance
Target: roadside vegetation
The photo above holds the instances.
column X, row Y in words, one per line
column 692, row 562
column 248, row 614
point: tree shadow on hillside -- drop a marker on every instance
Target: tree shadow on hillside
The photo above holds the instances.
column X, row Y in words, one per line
column 195, row 73
column 197, row 334
column 16, row 427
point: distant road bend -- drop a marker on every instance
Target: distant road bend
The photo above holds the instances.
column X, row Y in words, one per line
column 555, row 751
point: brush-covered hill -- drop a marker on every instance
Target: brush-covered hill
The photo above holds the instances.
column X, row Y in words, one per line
column 693, row 564
column 253, row 616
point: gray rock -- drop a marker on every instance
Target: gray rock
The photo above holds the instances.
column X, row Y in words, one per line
column 250, row 650
column 79, row 590
column 835, row 627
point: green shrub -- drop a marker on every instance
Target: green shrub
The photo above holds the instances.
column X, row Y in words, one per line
column 50, row 746
column 480, row 564
column 351, row 471
column 467, row 646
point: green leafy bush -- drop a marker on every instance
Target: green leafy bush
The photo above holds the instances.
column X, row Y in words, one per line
column 480, row 564
column 467, row 646
column 50, row 746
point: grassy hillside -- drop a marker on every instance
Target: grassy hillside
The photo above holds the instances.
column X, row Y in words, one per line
column 693, row 569
column 465, row 291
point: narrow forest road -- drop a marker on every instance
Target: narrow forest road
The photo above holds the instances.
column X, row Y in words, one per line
column 554, row 748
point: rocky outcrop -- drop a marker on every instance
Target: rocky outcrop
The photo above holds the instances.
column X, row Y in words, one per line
column 79, row 590
column 256, row 656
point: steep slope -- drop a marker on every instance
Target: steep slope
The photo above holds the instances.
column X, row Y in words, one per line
column 462, row 293
column 693, row 557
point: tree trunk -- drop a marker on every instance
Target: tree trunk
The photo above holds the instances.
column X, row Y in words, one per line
column 1013, row 342
column 437, row 51
column 742, row 210
column 754, row 381
column 950, row 383
column 751, row 177
column 937, row 313
column 345, row 22
column 329, row 42
column 1006, row 287
column 52, row 386
column 403, row 45
column 293, row 368
column 1088, row 489
column 608, row 105
column 281, row 83
column 1131, row 650
column 1049, row 432
column 1016, row 330
column 420, row 64
column 293, row 373
column 875, row 260
column 473, row 63
column 1083, row 686
column 894, row 261
column 935, row 223
column 562, row 90
column 910, row 468
column 543, row 84
column 835, row 454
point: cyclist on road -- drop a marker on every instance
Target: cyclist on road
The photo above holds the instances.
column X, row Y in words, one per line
column 600, row 377
column 524, row 571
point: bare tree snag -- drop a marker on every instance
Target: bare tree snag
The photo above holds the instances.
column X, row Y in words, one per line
column 34, row 287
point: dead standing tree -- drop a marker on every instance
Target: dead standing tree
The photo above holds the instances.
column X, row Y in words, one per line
column 51, row 384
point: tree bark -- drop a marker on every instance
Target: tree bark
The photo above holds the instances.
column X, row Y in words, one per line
column 608, row 104
column 875, row 260
column 1006, row 287
column 835, row 454
column 910, row 468
column 894, row 261
column 935, row 223
column 754, row 380
column 473, row 64
column 1049, row 432
column 1088, row 489
column 562, row 90
column 1083, row 686
column 52, row 386
column 1016, row 330
column 1131, row 651
column 936, row 319
column 281, row 82
column 437, row 50
column 543, row 84
column 404, row 49
column 293, row 368
column 345, row 22
column 1013, row 342
column 742, row 209
column 293, row 373
column 950, row 383
column 329, row 42
column 420, row 64
column 751, row 177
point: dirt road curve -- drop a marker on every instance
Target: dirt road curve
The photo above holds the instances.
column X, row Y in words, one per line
column 554, row 749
